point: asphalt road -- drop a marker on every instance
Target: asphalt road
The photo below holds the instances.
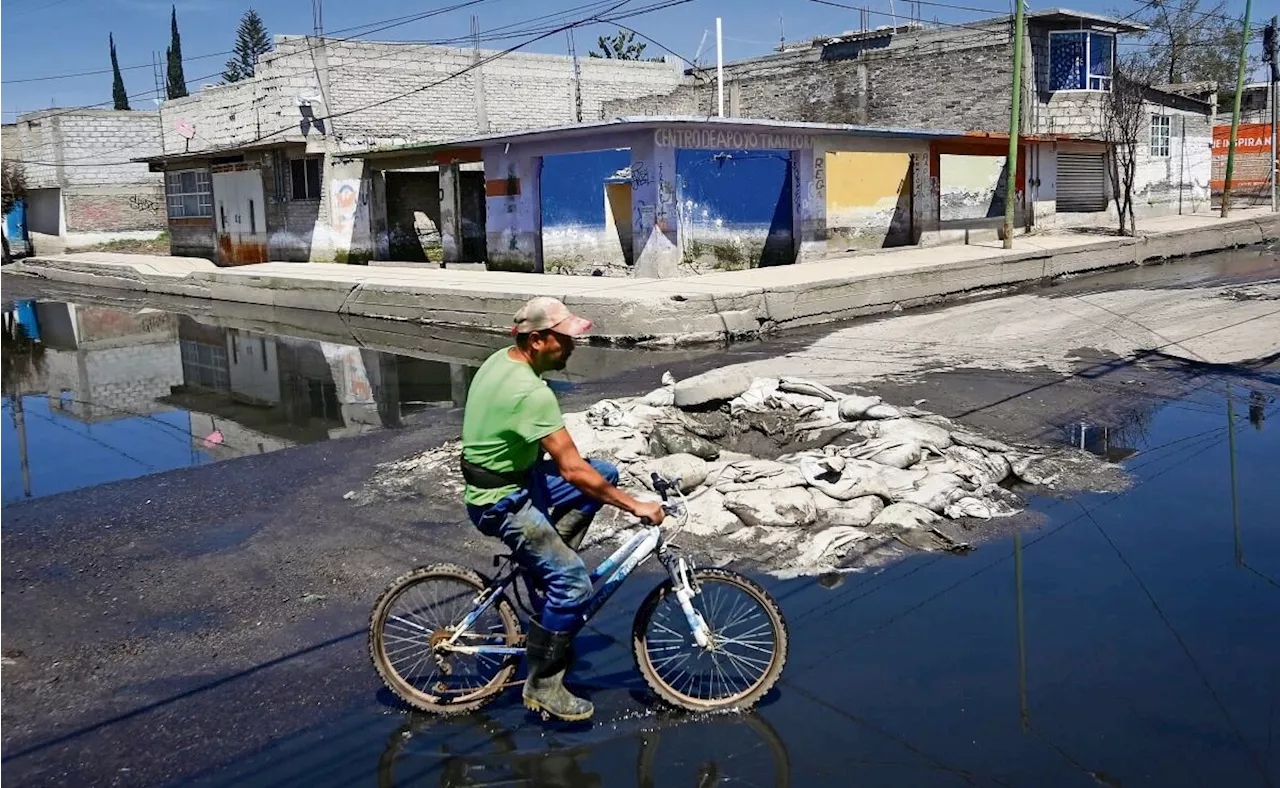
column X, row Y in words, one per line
column 208, row 624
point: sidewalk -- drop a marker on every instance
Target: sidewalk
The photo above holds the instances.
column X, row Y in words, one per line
column 706, row 308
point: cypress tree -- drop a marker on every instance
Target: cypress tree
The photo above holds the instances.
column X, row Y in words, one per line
column 118, row 94
column 177, row 81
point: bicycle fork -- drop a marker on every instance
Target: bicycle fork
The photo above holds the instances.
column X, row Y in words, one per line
column 682, row 580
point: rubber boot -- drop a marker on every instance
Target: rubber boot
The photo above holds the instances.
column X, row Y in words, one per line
column 544, row 689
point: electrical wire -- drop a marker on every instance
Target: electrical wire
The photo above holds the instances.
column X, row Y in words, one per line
column 595, row 18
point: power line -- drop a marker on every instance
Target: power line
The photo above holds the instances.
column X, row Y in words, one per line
column 595, row 18
column 376, row 27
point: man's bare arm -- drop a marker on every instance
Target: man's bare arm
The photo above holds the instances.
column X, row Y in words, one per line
column 578, row 472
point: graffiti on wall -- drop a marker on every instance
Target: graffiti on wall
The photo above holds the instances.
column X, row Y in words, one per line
column 145, row 204
column 347, row 202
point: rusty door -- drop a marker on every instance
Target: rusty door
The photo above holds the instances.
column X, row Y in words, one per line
column 240, row 217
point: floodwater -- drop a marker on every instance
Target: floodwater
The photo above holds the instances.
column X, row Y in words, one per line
column 1129, row 640
column 96, row 391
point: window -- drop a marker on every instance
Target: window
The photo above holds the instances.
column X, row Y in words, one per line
column 189, row 194
column 1159, row 143
column 204, row 365
column 306, row 178
column 1079, row 60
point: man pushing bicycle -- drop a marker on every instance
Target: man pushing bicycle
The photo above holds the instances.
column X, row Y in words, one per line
column 539, row 508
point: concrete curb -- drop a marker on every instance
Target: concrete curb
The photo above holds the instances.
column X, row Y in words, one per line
column 708, row 308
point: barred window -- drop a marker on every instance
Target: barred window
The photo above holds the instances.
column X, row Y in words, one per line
column 189, row 194
column 1159, row 144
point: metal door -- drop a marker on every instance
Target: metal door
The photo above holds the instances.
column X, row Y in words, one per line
column 1082, row 183
column 240, row 217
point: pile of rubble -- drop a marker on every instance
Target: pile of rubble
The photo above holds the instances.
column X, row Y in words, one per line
column 847, row 472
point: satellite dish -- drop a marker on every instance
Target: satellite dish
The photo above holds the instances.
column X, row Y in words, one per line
column 184, row 129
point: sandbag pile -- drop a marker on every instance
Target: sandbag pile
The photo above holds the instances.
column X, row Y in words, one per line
column 875, row 471
column 858, row 472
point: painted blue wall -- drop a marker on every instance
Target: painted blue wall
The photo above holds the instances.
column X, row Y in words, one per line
column 742, row 189
column 15, row 227
column 573, row 186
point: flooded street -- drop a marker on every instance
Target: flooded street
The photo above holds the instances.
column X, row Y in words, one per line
column 1129, row 640
column 95, row 392
column 207, row 626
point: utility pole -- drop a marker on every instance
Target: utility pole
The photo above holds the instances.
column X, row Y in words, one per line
column 1011, row 164
column 719, row 68
column 577, row 79
column 1271, row 51
column 1235, row 113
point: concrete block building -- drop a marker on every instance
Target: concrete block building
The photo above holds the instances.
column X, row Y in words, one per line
column 82, row 189
column 672, row 196
column 254, row 170
column 960, row 77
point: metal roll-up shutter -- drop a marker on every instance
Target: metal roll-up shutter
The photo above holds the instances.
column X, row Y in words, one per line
column 1081, row 182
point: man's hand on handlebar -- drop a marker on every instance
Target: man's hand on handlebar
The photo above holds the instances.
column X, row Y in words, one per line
column 649, row 512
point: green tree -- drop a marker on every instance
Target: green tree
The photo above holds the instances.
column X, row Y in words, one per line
column 177, row 81
column 619, row 47
column 252, row 42
column 1191, row 41
column 118, row 94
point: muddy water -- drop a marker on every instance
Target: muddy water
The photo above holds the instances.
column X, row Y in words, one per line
column 98, row 390
column 1128, row 640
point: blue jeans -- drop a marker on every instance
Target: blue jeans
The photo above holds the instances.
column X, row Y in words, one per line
column 523, row 521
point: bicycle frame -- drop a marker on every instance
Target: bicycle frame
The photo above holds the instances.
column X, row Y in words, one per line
column 630, row 555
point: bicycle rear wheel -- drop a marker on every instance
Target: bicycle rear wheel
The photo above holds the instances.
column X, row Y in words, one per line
column 748, row 649
column 415, row 615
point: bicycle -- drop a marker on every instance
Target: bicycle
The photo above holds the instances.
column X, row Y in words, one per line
column 446, row 639
column 479, row 751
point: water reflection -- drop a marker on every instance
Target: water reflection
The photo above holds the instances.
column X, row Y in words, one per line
column 677, row 750
column 95, row 393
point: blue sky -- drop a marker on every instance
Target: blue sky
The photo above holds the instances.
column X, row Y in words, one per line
column 73, row 33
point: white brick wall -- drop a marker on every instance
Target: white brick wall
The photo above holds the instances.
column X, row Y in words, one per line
column 521, row 90
column 90, row 145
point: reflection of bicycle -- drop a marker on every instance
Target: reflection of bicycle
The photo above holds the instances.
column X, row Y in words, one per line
column 478, row 751
column 445, row 639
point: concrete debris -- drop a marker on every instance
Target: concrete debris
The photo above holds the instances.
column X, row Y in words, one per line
column 714, row 386
column 874, row 476
column 670, row 438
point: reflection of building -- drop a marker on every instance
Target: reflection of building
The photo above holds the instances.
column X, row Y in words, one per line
column 102, row 364
column 297, row 390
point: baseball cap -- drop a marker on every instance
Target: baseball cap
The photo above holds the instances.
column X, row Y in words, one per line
column 549, row 314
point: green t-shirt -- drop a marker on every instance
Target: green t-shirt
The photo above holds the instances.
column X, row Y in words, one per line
column 509, row 409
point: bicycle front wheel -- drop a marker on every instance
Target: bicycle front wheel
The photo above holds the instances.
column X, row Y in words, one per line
column 747, row 651
column 410, row 625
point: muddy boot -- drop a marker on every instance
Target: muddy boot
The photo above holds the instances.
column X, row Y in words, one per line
column 573, row 526
column 544, row 690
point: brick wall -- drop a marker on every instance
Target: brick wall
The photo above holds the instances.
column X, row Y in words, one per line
column 85, row 153
column 87, row 147
column 519, row 90
column 938, row 78
column 9, row 141
column 112, row 209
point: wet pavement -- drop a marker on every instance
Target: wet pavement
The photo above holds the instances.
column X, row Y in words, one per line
column 207, row 626
column 1129, row 640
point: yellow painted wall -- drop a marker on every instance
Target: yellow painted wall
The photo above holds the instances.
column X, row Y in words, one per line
column 868, row 200
column 865, row 180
